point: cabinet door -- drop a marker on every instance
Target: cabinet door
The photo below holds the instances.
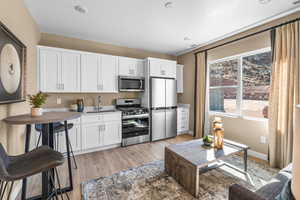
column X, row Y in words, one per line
column 50, row 71
column 112, row 133
column 140, row 68
column 155, row 68
column 127, row 66
column 179, row 75
column 171, row 123
column 158, row 125
column 74, row 137
column 91, row 136
column 168, row 69
column 89, row 73
column 70, row 71
column 109, row 74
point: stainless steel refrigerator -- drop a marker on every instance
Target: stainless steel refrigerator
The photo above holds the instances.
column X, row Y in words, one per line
column 163, row 103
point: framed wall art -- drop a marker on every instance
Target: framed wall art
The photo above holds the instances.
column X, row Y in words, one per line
column 12, row 67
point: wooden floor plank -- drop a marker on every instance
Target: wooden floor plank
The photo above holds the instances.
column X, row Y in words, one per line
column 105, row 163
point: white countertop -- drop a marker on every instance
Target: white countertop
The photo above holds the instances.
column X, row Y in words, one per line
column 104, row 109
column 182, row 105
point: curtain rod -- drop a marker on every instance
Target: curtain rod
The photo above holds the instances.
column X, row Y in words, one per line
column 250, row 35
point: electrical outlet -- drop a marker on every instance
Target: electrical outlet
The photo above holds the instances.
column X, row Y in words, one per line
column 58, row 100
column 263, row 139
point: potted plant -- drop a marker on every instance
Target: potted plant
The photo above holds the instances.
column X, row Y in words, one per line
column 36, row 101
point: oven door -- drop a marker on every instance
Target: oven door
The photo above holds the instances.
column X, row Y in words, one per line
column 127, row 83
column 135, row 127
column 135, row 131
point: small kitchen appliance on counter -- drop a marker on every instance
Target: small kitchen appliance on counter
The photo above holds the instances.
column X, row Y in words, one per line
column 135, row 121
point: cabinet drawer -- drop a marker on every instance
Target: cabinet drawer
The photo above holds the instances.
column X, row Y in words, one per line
column 95, row 118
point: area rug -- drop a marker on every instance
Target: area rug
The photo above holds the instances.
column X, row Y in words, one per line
column 150, row 182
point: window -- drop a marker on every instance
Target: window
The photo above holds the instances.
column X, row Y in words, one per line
column 239, row 85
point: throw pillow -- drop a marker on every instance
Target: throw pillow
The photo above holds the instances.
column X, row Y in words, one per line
column 286, row 193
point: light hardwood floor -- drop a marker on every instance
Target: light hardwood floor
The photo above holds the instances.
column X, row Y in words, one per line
column 107, row 162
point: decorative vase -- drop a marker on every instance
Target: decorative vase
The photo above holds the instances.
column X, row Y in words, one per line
column 35, row 112
column 218, row 133
column 80, row 105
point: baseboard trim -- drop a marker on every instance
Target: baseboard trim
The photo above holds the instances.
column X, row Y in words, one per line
column 258, row 155
column 97, row 149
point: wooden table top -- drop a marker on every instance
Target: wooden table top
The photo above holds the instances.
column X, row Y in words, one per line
column 197, row 154
column 47, row 117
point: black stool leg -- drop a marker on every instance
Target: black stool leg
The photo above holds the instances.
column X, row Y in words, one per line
column 53, row 185
column 71, row 149
column 68, row 155
column 39, row 140
column 11, row 187
column 27, row 144
column 6, row 187
column 59, row 186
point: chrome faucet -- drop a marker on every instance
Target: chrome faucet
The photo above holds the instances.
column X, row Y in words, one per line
column 99, row 103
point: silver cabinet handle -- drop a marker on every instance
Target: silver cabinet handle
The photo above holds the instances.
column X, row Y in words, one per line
column 141, row 84
column 63, row 86
column 100, row 87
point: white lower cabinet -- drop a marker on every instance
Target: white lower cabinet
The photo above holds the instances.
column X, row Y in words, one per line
column 91, row 135
column 112, row 133
column 74, row 137
column 90, row 132
column 183, row 119
column 100, row 130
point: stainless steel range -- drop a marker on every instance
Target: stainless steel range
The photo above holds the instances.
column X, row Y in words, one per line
column 135, row 121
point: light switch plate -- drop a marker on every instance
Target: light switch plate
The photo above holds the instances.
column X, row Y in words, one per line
column 263, row 139
column 58, row 100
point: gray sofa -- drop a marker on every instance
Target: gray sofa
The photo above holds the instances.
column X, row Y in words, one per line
column 267, row 192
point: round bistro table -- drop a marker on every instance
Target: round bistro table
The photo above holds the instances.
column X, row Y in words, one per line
column 47, row 120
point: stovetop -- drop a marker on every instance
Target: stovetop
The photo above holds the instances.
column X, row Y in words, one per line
column 133, row 110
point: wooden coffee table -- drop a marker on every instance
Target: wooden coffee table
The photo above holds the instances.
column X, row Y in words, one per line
column 183, row 161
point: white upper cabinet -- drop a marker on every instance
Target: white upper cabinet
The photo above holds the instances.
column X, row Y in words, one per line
column 89, row 73
column 140, row 67
column 162, row 68
column 50, row 68
column 99, row 73
column 131, row 67
column 179, row 75
column 108, row 73
column 70, row 72
column 59, row 71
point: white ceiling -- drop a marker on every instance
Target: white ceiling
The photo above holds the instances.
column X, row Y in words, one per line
column 148, row 25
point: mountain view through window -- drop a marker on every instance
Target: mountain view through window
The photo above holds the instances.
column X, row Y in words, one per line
column 241, row 85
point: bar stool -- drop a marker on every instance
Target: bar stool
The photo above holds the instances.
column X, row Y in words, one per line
column 57, row 128
column 14, row 168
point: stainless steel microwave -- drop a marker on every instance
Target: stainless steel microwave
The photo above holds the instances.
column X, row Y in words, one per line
column 131, row 84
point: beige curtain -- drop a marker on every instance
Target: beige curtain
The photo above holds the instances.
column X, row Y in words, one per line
column 200, row 93
column 284, row 94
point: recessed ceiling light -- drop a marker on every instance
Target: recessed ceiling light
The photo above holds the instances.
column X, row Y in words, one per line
column 169, row 4
column 194, row 45
column 264, row 1
column 186, row 38
column 81, row 9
